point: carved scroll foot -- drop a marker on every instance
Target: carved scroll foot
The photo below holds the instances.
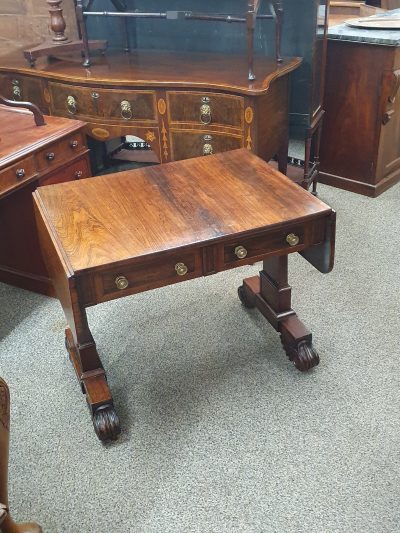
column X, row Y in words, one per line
column 302, row 354
column 106, row 423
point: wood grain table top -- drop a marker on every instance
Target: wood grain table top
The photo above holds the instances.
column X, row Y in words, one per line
column 160, row 68
column 20, row 136
column 128, row 215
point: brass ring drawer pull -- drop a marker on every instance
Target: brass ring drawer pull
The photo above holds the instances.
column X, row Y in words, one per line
column 121, row 282
column 20, row 173
column 205, row 114
column 16, row 90
column 74, row 144
column 292, row 239
column 181, row 269
column 240, row 252
column 207, row 149
column 50, row 156
column 126, row 110
column 71, row 105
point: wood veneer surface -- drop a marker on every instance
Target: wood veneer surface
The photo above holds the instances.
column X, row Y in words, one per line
column 155, row 68
column 109, row 219
column 19, row 136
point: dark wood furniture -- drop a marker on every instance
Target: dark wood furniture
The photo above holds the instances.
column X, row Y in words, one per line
column 7, row 524
column 182, row 104
column 147, row 228
column 32, row 155
column 360, row 148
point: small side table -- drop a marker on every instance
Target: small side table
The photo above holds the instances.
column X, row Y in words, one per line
column 121, row 234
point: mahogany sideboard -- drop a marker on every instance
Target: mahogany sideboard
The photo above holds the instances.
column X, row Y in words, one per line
column 360, row 148
column 182, row 104
column 32, row 155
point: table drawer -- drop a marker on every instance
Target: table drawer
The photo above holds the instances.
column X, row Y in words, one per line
column 16, row 174
column 147, row 275
column 126, row 106
column 54, row 154
column 205, row 108
column 74, row 171
column 290, row 238
column 187, row 144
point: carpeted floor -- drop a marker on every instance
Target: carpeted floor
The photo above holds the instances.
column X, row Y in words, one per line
column 221, row 433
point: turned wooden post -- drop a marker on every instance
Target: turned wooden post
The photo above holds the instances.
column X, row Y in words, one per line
column 57, row 22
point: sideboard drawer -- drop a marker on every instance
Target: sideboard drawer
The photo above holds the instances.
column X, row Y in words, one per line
column 17, row 173
column 295, row 237
column 126, row 106
column 74, row 171
column 205, row 108
column 23, row 89
column 54, row 154
column 187, row 144
column 148, row 275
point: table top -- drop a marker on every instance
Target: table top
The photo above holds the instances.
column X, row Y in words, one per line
column 128, row 215
column 155, row 68
column 343, row 32
column 19, row 135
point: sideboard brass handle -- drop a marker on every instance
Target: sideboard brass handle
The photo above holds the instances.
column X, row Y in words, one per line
column 74, row 144
column 78, row 174
column 16, row 90
column 240, row 252
column 181, row 269
column 50, row 156
column 121, row 282
column 20, row 173
column 292, row 239
column 207, row 149
column 71, row 105
column 205, row 114
column 126, row 110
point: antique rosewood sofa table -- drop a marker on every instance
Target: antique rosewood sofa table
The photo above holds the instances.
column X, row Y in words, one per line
column 112, row 236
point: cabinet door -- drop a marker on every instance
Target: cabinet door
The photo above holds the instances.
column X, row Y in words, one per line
column 389, row 143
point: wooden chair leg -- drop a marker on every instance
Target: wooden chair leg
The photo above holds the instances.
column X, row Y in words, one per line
column 7, row 524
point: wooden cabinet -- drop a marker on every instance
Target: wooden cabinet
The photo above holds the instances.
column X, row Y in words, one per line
column 32, row 156
column 360, row 148
column 182, row 104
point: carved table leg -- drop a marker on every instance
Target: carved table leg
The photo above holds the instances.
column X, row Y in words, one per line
column 7, row 524
column 271, row 294
column 91, row 375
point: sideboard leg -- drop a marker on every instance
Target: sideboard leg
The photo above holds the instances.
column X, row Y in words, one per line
column 271, row 294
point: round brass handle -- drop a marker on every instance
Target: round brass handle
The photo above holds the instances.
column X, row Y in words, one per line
column 121, row 282
column 126, row 110
column 205, row 114
column 207, row 149
column 71, row 105
column 292, row 239
column 240, row 252
column 20, row 173
column 78, row 174
column 74, row 144
column 50, row 156
column 181, row 269
column 16, row 90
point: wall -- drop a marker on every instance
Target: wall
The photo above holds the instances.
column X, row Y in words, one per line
column 26, row 22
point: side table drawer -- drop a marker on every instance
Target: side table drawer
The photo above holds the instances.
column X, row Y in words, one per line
column 147, row 275
column 74, row 171
column 205, row 108
column 54, row 154
column 17, row 173
column 187, row 144
column 293, row 238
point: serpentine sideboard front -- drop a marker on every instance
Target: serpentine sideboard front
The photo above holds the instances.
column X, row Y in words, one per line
column 182, row 104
